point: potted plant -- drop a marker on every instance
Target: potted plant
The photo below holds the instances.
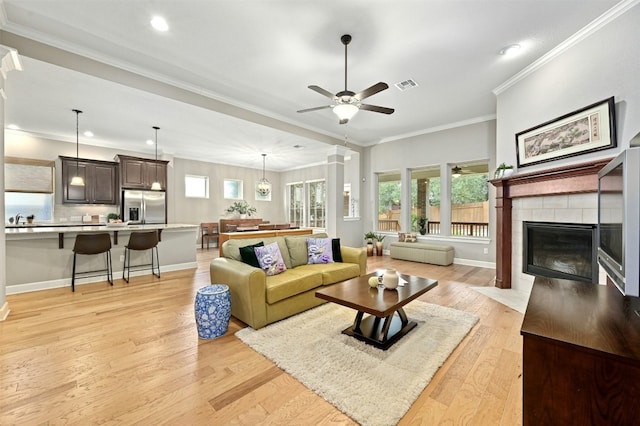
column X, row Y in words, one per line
column 30, row 218
column 369, row 237
column 112, row 217
column 503, row 170
column 241, row 208
column 422, row 225
column 379, row 239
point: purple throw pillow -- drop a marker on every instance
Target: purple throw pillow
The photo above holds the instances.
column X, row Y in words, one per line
column 319, row 250
column 270, row 259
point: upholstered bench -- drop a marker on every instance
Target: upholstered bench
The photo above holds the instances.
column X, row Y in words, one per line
column 438, row 254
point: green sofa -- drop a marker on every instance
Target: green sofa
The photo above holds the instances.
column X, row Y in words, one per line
column 258, row 299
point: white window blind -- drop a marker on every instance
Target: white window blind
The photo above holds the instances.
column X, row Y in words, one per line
column 28, row 175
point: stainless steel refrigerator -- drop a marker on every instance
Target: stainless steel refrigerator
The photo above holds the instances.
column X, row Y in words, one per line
column 144, row 206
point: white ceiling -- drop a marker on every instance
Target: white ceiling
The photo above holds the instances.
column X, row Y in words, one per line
column 261, row 56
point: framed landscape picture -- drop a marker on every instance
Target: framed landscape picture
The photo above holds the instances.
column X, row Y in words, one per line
column 588, row 129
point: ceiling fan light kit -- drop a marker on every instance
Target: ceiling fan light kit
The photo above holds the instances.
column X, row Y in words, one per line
column 346, row 103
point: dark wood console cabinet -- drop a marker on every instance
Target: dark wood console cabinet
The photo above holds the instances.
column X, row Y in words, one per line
column 140, row 173
column 581, row 355
column 100, row 178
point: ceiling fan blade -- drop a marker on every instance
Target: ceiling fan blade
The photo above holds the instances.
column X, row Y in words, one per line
column 322, row 91
column 378, row 87
column 375, row 108
column 315, row 108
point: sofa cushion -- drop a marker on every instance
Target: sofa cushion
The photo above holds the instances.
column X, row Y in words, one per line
column 319, row 250
column 270, row 259
column 331, row 272
column 248, row 254
column 231, row 247
column 292, row 282
column 297, row 248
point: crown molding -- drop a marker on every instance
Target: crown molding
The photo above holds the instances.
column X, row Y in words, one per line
column 591, row 28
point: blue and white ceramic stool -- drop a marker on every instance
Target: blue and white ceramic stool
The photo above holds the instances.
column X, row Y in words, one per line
column 213, row 310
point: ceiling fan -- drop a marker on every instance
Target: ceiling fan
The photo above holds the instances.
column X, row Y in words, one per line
column 347, row 103
column 457, row 171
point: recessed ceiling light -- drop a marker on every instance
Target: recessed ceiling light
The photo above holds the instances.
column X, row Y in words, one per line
column 510, row 50
column 149, row 142
column 159, row 23
column 88, row 134
column 13, row 127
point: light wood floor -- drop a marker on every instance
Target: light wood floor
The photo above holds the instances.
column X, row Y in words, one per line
column 130, row 354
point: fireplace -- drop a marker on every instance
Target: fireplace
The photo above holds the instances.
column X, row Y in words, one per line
column 560, row 250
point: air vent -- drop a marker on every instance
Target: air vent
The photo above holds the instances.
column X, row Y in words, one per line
column 407, row 84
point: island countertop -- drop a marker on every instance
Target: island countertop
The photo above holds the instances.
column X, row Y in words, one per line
column 61, row 232
column 41, row 257
column 43, row 229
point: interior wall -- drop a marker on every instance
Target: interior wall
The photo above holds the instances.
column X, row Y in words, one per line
column 179, row 208
column 604, row 64
column 193, row 210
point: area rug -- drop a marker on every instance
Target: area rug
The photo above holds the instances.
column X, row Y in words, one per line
column 372, row 386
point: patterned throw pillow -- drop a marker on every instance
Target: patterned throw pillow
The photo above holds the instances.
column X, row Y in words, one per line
column 319, row 250
column 401, row 237
column 270, row 259
column 410, row 238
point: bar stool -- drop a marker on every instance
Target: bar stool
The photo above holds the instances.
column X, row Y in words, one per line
column 208, row 231
column 92, row 244
column 139, row 241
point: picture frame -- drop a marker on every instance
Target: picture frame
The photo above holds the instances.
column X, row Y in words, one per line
column 260, row 197
column 588, row 129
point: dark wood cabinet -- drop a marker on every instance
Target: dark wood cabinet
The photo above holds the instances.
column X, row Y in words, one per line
column 100, row 181
column 581, row 355
column 140, row 173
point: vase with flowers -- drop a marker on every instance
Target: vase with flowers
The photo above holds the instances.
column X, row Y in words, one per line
column 241, row 209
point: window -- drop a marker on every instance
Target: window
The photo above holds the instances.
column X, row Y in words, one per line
column 233, row 189
column 389, row 191
column 317, row 204
column 425, row 200
column 29, row 188
column 295, row 203
column 349, row 203
column 306, row 203
column 469, row 201
column 196, row 186
column 25, row 204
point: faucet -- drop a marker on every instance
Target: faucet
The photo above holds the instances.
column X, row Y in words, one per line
column 18, row 216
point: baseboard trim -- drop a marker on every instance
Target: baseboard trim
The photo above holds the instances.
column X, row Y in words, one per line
column 4, row 311
column 471, row 262
column 66, row 282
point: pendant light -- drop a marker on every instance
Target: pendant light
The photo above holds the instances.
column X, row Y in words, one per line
column 77, row 180
column 155, row 186
column 264, row 186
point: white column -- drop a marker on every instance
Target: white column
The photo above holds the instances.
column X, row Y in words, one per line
column 335, row 189
column 10, row 61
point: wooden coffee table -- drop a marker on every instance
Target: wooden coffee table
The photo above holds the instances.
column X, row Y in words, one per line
column 382, row 328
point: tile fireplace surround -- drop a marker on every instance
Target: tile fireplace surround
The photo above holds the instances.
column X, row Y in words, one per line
column 565, row 194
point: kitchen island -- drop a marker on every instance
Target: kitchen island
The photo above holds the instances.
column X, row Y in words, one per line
column 41, row 257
